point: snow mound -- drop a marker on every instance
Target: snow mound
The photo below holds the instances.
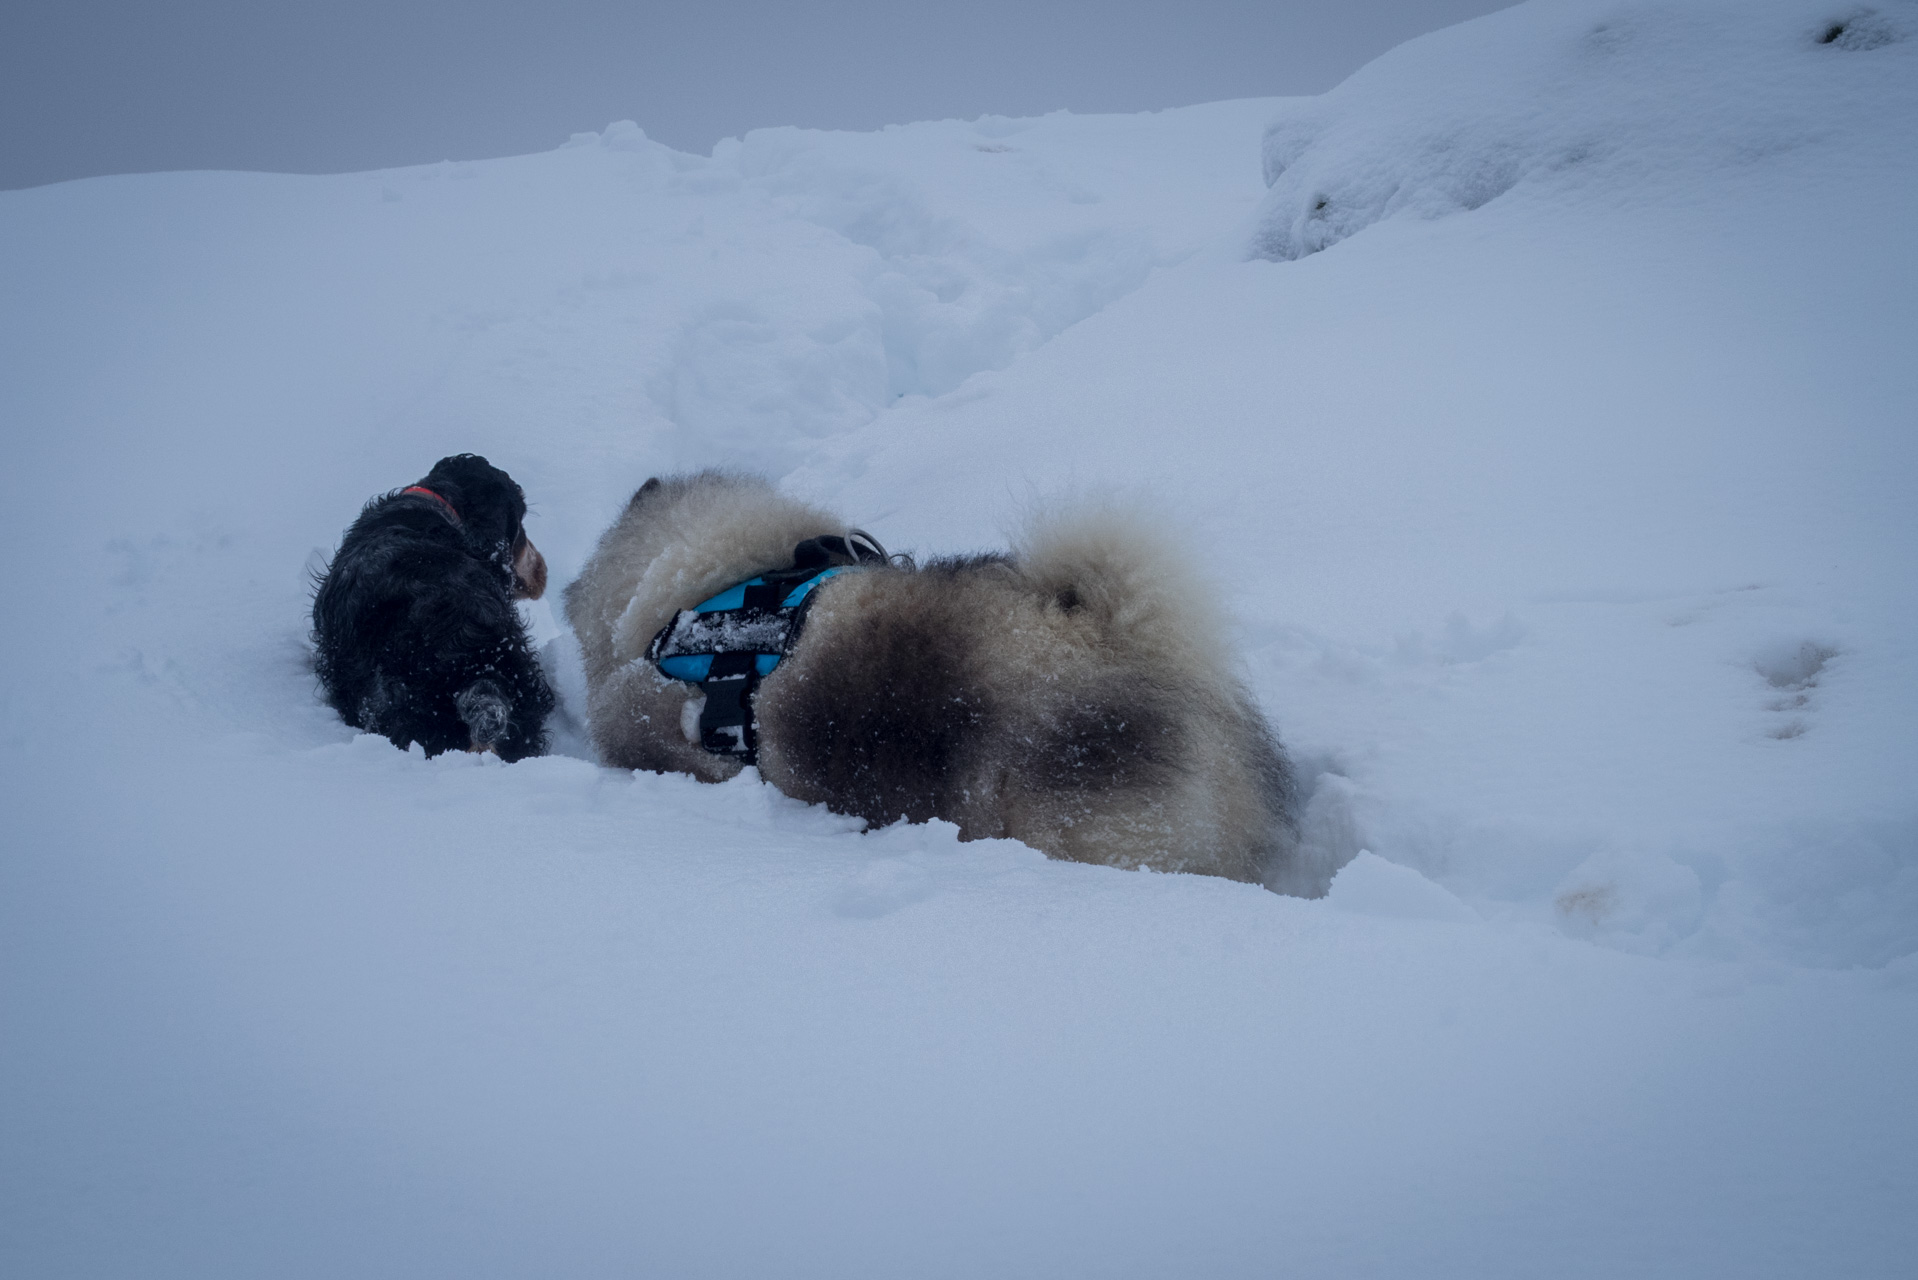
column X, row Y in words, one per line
column 1603, row 99
column 1370, row 886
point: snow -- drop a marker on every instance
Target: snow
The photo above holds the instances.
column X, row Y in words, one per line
column 1369, row 885
column 1605, row 105
column 1557, row 472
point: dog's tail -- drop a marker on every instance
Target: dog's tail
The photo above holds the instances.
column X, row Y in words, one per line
column 1144, row 599
column 487, row 713
column 1149, row 597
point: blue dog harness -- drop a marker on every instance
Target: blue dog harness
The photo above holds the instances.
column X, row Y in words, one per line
column 727, row 644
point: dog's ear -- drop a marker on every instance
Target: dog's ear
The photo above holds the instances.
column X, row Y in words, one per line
column 449, row 478
column 449, row 489
column 491, row 504
column 642, row 491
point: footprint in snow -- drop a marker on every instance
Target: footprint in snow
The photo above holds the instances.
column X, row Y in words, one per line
column 1792, row 671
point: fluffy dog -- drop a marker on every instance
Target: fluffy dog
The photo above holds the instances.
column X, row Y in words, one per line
column 1074, row 694
column 414, row 620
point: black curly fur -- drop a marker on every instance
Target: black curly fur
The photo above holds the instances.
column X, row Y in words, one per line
column 414, row 621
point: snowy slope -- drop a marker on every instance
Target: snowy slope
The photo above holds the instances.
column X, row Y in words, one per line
column 1547, row 423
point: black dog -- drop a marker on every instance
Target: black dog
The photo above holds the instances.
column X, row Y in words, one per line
column 417, row 635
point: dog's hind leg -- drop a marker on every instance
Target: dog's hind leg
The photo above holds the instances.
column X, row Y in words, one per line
column 487, row 713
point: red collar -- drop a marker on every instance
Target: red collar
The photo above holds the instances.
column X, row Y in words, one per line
column 450, row 510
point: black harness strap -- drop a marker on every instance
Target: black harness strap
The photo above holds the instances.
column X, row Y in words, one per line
column 726, row 725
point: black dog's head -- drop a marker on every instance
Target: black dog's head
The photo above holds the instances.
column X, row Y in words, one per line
column 491, row 512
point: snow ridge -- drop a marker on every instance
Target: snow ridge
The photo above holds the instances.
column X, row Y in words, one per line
column 1575, row 100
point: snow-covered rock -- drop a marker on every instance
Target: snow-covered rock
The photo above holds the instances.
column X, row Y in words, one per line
column 1600, row 102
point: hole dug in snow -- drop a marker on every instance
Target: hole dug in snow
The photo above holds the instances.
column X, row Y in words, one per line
column 1793, row 669
column 1864, row 29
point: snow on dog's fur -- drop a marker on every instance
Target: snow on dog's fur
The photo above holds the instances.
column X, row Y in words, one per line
column 1076, row 694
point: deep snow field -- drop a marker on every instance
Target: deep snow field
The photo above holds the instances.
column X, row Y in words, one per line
column 1545, row 417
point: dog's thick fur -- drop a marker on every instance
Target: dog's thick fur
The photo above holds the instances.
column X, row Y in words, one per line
column 1074, row 694
column 414, row 623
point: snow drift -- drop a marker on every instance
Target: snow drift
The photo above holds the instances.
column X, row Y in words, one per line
column 1603, row 104
column 1563, row 501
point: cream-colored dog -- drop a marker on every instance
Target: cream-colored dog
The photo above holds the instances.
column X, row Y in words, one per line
column 1074, row 694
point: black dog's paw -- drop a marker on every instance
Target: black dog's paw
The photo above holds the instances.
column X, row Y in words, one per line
column 486, row 712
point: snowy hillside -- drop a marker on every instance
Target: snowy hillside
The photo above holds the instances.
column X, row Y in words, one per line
column 1545, row 418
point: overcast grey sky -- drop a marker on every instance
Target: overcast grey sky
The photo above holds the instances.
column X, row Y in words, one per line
column 117, row 86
